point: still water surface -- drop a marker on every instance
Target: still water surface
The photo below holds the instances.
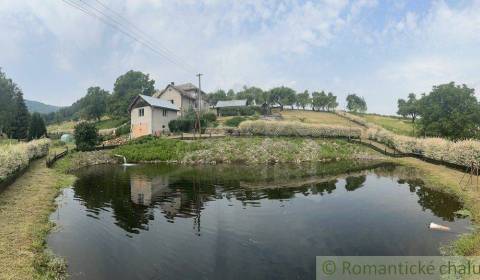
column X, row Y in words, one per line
column 237, row 222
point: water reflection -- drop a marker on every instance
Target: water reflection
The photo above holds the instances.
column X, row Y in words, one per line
column 240, row 222
column 182, row 192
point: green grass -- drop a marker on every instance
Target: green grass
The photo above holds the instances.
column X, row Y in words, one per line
column 329, row 118
column 110, row 123
column 24, row 224
column 241, row 150
column 8, row 141
column 397, row 125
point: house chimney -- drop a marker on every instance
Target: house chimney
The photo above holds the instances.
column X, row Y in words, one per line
column 172, row 83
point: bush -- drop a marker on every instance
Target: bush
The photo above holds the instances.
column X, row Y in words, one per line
column 235, row 121
column 461, row 152
column 209, row 117
column 86, row 136
column 17, row 156
column 240, row 111
column 185, row 125
column 275, row 128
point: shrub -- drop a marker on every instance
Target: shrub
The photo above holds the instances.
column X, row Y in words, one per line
column 235, row 121
column 240, row 111
column 185, row 125
column 459, row 152
column 86, row 136
column 284, row 128
column 16, row 157
column 209, row 117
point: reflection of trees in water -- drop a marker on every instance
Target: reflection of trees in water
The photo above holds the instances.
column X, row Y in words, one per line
column 354, row 182
column 441, row 204
column 182, row 192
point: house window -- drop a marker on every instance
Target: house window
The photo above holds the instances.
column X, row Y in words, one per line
column 141, row 112
column 164, row 112
column 171, row 101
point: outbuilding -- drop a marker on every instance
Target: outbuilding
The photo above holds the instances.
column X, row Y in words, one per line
column 150, row 116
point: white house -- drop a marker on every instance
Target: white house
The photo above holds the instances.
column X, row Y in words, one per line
column 150, row 115
column 184, row 96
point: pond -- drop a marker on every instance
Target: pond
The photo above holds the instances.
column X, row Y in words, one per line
column 164, row 221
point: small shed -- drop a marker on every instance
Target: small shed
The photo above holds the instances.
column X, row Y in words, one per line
column 230, row 104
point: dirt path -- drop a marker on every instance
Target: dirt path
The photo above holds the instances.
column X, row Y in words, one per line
column 24, row 210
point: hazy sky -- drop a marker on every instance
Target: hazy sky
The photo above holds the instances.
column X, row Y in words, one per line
column 381, row 50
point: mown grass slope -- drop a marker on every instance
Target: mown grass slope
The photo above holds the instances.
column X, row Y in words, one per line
column 316, row 117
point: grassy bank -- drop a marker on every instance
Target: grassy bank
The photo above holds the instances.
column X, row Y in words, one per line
column 25, row 207
column 447, row 180
column 242, row 150
column 396, row 125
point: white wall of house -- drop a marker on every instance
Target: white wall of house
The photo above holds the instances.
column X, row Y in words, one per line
column 161, row 118
column 141, row 124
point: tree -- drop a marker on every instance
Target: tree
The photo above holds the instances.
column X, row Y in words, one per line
column 282, row 96
column 409, row 108
column 230, row 94
column 249, row 93
column 216, row 96
column 8, row 90
column 86, row 136
column 37, row 127
column 450, row 111
column 356, row 103
column 94, row 104
column 319, row 100
column 331, row 101
column 126, row 87
column 21, row 118
column 303, row 99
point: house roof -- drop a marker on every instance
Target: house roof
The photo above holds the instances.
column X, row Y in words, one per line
column 188, row 90
column 154, row 102
column 231, row 103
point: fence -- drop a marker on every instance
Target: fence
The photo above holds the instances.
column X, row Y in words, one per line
column 51, row 161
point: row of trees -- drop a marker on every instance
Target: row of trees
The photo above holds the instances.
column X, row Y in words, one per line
column 449, row 110
column 99, row 102
column 15, row 120
column 285, row 96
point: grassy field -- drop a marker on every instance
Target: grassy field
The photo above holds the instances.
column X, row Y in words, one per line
column 25, row 207
column 316, row 117
column 250, row 150
column 397, row 125
column 68, row 126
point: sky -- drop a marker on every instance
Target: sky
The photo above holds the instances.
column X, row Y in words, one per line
column 381, row 50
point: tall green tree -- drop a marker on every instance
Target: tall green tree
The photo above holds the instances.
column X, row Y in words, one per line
column 282, row 96
column 37, row 128
column 8, row 90
column 216, row 96
column 21, row 118
column 356, row 103
column 86, row 136
column 409, row 108
column 126, row 87
column 450, row 111
column 249, row 93
column 303, row 99
column 331, row 101
column 231, row 94
column 319, row 100
column 94, row 104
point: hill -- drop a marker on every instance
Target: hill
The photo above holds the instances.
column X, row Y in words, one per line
column 39, row 107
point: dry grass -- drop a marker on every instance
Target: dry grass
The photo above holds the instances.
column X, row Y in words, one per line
column 316, row 117
column 25, row 207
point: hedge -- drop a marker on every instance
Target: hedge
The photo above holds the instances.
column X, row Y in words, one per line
column 285, row 128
